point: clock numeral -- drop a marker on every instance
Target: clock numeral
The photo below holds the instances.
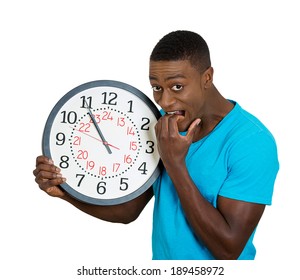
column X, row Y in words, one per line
column 107, row 116
column 109, row 98
column 133, row 145
column 130, row 130
column 70, row 117
column 145, row 125
column 80, row 179
column 116, row 167
column 82, row 154
column 123, row 184
column 97, row 119
column 86, row 102
column 142, row 168
column 61, row 138
column 150, row 148
column 127, row 159
column 101, row 187
column 77, row 141
column 130, row 106
column 90, row 165
column 84, row 127
column 121, row 121
column 102, row 170
column 64, row 162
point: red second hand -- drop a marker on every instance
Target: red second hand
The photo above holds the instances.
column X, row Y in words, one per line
column 96, row 138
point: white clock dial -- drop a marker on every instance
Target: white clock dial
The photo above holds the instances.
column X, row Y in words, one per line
column 89, row 152
column 101, row 135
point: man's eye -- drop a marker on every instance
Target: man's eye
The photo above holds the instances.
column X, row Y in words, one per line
column 156, row 88
column 177, row 87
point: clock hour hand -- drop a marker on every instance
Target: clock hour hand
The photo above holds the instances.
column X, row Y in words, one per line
column 105, row 143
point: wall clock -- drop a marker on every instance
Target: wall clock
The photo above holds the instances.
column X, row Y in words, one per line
column 101, row 134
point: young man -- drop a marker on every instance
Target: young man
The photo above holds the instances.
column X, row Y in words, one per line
column 220, row 162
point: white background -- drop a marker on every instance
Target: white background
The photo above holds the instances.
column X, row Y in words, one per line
column 50, row 47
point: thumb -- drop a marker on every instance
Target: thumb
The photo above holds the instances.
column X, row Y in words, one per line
column 192, row 128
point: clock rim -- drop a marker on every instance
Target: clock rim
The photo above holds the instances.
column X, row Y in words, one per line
column 46, row 140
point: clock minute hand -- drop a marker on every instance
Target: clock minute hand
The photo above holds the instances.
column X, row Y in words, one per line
column 105, row 143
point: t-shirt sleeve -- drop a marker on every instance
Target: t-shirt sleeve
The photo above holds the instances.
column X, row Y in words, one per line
column 252, row 169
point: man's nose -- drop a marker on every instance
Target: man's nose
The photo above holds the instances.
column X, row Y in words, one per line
column 167, row 100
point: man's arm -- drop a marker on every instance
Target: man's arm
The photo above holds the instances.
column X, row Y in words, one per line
column 224, row 230
column 48, row 177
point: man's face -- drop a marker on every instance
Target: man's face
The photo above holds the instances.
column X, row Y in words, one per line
column 177, row 89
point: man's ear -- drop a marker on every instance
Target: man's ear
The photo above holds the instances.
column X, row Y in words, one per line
column 207, row 77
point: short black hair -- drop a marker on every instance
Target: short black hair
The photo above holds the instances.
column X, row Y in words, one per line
column 183, row 45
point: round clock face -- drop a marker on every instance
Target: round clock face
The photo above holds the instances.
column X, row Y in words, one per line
column 101, row 134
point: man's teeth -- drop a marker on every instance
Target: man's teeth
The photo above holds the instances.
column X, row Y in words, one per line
column 175, row 113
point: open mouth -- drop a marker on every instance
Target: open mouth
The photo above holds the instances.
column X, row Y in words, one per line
column 177, row 112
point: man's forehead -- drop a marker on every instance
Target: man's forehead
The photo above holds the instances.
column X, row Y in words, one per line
column 168, row 69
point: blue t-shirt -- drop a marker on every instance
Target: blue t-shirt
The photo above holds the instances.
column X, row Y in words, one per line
column 237, row 160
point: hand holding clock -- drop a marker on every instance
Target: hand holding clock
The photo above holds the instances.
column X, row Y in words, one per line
column 48, row 177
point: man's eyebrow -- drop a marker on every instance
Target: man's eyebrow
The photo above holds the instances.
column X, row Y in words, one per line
column 152, row 78
column 168, row 78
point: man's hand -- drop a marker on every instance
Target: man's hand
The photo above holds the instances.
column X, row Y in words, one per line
column 48, row 177
column 172, row 146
